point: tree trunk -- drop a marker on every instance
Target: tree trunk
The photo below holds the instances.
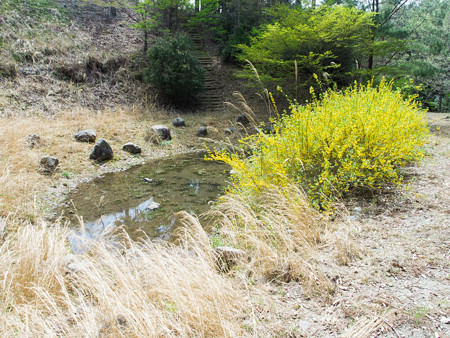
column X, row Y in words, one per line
column 375, row 9
column 145, row 40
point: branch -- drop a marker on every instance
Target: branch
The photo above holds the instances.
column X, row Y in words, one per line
column 395, row 10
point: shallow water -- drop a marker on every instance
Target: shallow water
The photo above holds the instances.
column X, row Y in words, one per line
column 185, row 182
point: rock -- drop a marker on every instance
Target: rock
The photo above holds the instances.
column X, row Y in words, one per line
column 48, row 164
column 227, row 257
column 268, row 130
column 121, row 320
column 202, row 132
column 85, row 136
column 229, row 130
column 153, row 206
column 131, row 148
column 102, row 151
column 158, row 133
column 33, row 141
column 243, row 119
column 179, row 122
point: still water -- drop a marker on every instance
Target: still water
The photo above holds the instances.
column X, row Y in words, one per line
column 144, row 198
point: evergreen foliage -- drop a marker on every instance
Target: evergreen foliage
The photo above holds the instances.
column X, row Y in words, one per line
column 174, row 69
column 427, row 59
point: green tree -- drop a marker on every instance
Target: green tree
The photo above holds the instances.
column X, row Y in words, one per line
column 427, row 59
column 173, row 68
column 329, row 42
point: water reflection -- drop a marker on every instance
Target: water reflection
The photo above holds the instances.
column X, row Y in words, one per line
column 129, row 198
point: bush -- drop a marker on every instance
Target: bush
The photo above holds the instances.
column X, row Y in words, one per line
column 358, row 138
column 174, row 69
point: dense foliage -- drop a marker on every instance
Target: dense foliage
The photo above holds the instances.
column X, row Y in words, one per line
column 174, row 69
column 426, row 60
column 355, row 139
column 328, row 41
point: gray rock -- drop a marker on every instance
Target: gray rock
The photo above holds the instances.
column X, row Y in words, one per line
column 33, row 141
column 202, row 132
column 243, row 119
column 229, row 130
column 227, row 257
column 121, row 320
column 131, row 148
column 159, row 133
column 48, row 164
column 102, row 151
column 179, row 122
column 268, row 130
column 153, row 206
column 85, row 136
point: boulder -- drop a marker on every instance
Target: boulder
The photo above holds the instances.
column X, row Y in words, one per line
column 202, row 132
column 159, row 133
column 102, row 151
column 48, row 164
column 179, row 122
column 243, row 119
column 227, row 258
column 33, row 141
column 131, row 148
column 85, row 136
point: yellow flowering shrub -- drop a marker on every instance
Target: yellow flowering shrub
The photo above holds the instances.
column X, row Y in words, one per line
column 357, row 138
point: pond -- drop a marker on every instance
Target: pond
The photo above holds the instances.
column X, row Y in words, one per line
column 144, row 198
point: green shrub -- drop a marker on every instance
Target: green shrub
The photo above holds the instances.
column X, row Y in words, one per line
column 358, row 138
column 174, row 69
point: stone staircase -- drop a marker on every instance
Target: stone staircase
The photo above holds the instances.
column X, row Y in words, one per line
column 211, row 98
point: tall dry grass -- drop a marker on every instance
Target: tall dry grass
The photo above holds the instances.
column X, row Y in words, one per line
column 134, row 289
column 284, row 236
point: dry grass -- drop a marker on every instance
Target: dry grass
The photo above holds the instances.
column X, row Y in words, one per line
column 282, row 234
column 141, row 289
column 18, row 169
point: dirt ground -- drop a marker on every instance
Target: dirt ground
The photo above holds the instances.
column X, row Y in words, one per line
column 399, row 286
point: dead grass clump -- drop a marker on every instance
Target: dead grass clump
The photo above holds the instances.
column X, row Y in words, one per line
column 141, row 289
column 280, row 232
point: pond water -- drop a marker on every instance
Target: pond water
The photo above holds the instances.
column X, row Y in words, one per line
column 144, row 198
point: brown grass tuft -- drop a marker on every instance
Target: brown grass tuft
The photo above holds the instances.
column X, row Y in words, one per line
column 281, row 233
column 143, row 289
